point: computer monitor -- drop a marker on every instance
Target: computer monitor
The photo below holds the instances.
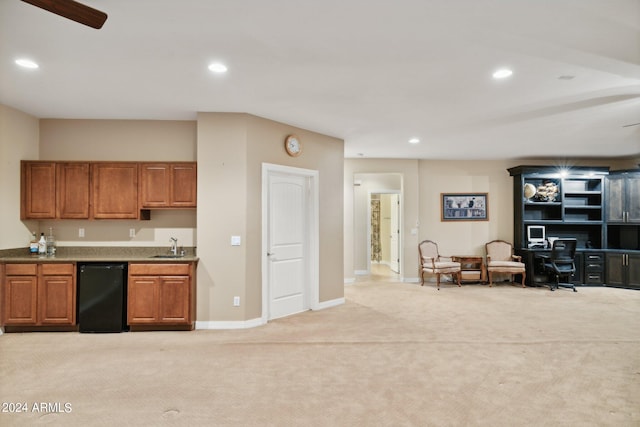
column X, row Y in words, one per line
column 536, row 235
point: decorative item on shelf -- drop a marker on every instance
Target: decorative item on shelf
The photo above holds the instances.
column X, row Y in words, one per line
column 547, row 192
column 529, row 190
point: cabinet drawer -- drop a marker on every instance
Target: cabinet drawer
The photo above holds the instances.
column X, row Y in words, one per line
column 21, row 269
column 593, row 267
column 594, row 278
column 57, row 269
column 160, row 269
column 593, row 257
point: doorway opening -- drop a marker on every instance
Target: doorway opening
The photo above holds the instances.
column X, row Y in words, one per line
column 384, row 233
column 378, row 223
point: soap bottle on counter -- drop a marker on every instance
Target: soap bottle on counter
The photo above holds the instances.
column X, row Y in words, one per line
column 33, row 245
column 42, row 245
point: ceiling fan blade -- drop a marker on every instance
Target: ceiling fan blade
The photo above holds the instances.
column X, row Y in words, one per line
column 72, row 10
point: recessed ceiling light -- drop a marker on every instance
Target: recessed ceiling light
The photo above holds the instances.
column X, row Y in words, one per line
column 414, row 140
column 26, row 63
column 502, row 73
column 217, row 67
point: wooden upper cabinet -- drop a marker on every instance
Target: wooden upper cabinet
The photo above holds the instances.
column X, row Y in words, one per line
column 114, row 190
column 184, row 178
column 52, row 190
column 155, row 182
column 104, row 190
column 38, row 190
column 623, row 198
column 168, row 185
column 72, row 190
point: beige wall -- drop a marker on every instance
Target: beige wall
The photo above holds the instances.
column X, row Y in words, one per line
column 231, row 150
column 19, row 136
column 222, row 187
column 126, row 140
column 122, row 140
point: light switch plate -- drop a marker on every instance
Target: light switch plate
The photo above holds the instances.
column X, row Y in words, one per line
column 235, row 240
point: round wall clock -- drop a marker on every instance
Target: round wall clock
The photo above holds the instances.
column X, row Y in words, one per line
column 293, row 145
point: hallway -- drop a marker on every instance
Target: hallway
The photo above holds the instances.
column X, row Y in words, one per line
column 380, row 273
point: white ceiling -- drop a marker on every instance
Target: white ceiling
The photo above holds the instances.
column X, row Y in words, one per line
column 372, row 72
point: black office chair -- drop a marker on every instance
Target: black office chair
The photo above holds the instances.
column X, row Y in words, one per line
column 560, row 263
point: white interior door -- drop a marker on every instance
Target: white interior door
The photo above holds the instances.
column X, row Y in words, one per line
column 287, row 261
column 394, row 262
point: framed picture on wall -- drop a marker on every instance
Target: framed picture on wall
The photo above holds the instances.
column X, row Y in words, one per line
column 464, row 206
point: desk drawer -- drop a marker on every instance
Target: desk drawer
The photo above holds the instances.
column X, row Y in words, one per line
column 594, row 278
column 594, row 257
column 594, row 267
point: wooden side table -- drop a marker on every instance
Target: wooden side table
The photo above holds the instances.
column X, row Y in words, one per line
column 473, row 268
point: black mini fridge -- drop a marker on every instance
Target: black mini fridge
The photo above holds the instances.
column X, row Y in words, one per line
column 102, row 297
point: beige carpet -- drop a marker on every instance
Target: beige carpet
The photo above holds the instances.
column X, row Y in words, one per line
column 395, row 354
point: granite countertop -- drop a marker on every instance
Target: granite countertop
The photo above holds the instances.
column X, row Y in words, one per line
column 99, row 254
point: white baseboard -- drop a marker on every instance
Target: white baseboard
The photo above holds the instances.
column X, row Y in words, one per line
column 361, row 272
column 328, row 304
column 252, row 323
column 229, row 324
column 411, row 279
column 349, row 280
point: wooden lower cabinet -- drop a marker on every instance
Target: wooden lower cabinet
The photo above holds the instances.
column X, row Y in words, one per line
column 623, row 269
column 160, row 294
column 39, row 294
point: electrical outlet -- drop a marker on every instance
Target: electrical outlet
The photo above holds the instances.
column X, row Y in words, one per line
column 80, row 232
column 132, row 232
column 236, row 301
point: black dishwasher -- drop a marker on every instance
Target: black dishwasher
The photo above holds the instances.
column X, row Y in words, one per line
column 102, row 297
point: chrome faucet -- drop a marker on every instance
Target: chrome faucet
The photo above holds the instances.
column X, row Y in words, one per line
column 174, row 246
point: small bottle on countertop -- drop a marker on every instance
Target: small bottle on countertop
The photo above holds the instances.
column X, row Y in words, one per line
column 33, row 245
column 42, row 245
column 51, row 243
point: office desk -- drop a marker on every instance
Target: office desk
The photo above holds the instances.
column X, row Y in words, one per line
column 589, row 266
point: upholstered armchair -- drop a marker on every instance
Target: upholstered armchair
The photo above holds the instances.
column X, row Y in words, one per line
column 432, row 262
column 500, row 259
